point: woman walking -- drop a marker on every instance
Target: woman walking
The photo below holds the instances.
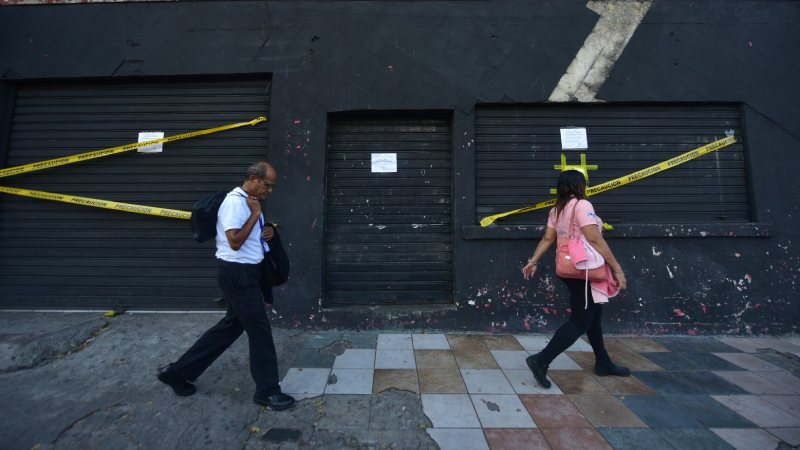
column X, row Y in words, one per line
column 585, row 315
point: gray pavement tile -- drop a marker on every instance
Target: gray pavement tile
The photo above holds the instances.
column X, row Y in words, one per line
column 450, row 410
column 788, row 403
column 759, row 411
column 502, row 411
column 748, row 362
column 709, row 412
column 355, row 359
column 688, row 383
column 395, row 359
column 430, row 342
column 702, row 344
column 786, row 379
column 350, row 381
column 691, row 361
column 511, row 359
column 564, row 362
column 747, row 438
column 633, row 438
column 486, row 381
column 459, row 439
column 395, row 341
column 760, row 344
column 783, row 360
column 523, row 383
column 657, row 412
column 305, row 383
column 790, row 436
column 752, row 382
column 693, row 439
column 310, row 358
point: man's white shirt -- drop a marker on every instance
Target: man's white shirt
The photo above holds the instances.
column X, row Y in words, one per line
column 233, row 213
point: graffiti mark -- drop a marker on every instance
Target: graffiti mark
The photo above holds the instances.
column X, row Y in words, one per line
column 600, row 51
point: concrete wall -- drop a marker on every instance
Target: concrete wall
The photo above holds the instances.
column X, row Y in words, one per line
column 334, row 56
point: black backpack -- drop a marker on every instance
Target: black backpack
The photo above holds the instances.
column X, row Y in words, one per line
column 204, row 216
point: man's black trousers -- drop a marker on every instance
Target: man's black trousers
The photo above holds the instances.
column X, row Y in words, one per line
column 240, row 283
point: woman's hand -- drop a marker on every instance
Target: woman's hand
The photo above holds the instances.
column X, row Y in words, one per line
column 621, row 280
column 267, row 233
column 529, row 270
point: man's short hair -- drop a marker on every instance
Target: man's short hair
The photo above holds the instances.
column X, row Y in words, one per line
column 258, row 169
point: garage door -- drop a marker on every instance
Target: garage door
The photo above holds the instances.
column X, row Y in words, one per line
column 517, row 148
column 56, row 255
column 388, row 219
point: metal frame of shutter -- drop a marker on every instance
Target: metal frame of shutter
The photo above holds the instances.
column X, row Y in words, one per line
column 55, row 255
column 517, row 147
column 389, row 235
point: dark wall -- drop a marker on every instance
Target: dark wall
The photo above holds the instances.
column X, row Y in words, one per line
column 342, row 56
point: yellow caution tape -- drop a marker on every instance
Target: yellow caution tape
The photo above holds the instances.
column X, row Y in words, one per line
column 627, row 179
column 97, row 203
column 16, row 170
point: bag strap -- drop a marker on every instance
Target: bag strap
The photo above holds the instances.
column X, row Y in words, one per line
column 572, row 220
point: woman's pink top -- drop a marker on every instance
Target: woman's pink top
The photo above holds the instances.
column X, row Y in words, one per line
column 584, row 215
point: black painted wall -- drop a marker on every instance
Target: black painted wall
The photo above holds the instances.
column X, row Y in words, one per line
column 336, row 56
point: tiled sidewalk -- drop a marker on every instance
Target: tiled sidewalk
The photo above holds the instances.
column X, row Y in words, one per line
column 685, row 392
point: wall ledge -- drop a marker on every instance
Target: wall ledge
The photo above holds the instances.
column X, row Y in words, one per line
column 665, row 230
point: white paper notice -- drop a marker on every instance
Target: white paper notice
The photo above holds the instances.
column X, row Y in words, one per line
column 384, row 162
column 573, row 139
column 149, row 136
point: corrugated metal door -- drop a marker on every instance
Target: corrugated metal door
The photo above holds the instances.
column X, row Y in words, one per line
column 56, row 255
column 389, row 235
column 517, row 147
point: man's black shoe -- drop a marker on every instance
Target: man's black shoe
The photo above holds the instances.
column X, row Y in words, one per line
column 609, row 368
column 275, row 402
column 539, row 370
column 180, row 386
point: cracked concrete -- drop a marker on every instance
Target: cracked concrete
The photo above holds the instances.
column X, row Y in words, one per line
column 32, row 341
column 85, row 381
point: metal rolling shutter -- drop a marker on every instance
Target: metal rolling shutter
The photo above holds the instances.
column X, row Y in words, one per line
column 517, row 147
column 56, row 255
column 389, row 235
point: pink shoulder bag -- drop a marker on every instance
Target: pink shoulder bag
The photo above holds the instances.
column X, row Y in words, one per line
column 576, row 258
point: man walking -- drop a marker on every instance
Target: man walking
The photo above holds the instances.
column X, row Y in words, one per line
column 240, row 250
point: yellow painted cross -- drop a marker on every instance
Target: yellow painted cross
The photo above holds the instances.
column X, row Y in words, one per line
column 582, row 167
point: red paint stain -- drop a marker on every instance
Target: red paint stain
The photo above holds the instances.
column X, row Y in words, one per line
column 692, row 331
column 705, row 309
column 526, row 324
column 296, row 122
column 678, row 312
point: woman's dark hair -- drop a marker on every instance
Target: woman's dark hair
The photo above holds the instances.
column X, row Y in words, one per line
column 571, row 183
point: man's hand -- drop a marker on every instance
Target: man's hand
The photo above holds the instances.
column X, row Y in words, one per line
column 254, row 204
column 267, row 233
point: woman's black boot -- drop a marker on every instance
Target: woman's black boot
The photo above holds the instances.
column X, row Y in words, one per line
column 539, row 370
